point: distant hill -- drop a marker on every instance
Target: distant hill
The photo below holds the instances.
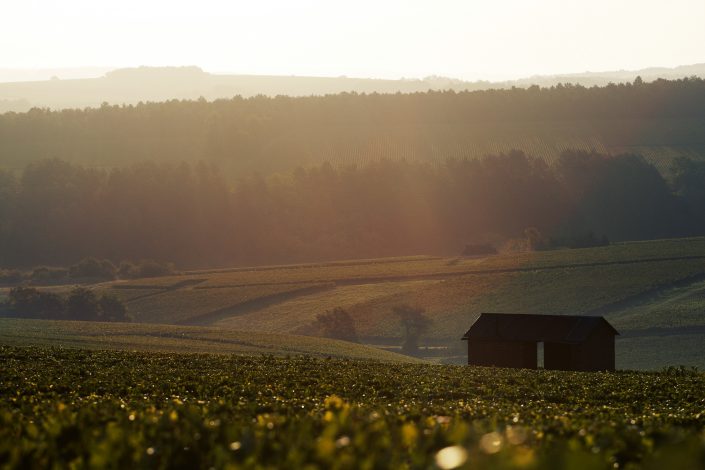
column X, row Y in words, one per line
column 132, row 85
column 617, row 76
column 64, row 73
column 59, row 89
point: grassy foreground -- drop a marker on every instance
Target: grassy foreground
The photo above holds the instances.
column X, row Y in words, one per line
column 101, row 409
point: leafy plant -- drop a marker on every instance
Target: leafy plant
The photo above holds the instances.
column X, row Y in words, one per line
column 76, row 408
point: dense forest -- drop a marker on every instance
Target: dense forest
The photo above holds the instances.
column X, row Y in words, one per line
column 57, row 213
column 267, row 135
column 268, row 180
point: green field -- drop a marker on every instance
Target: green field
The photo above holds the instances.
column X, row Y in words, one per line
column 143, row 394
column 204, row 305
column 167, row 338
column 101, row 409
column 652, row 292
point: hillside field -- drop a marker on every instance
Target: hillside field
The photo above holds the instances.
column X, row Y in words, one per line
column 652, row 292
column 180, row 339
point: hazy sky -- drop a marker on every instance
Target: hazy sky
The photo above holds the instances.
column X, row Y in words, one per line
column 471, row 39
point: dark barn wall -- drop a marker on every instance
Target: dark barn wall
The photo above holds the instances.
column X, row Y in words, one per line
column 597, row 352
column 577, row 344
column 559, row 356
column 518, row 354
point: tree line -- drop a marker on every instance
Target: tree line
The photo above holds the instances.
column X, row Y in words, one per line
column 56, row 213
column 79, row 304
column 88, row 269
column 273, row 134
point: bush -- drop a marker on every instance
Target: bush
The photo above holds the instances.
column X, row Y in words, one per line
column 338, row 324
column 145, row 268
column 533, row 241
column 127, row 270
column 112, row 309
column 580, row 240
column 82, row 304
column 151, row 268
column 47, row 274
column 93, row 268
column 479, row 249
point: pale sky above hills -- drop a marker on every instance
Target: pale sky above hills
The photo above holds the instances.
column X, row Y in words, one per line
column 467, row 39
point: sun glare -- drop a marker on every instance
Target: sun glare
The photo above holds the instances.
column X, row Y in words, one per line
column 461, row 39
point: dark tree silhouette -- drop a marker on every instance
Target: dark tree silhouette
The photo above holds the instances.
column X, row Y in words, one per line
column 688, row 180
column 82, row 304
column 58, row 213
column 414, row 323
column 338, row 324
column 112, row 309
column 93, row 268
column 28, row 302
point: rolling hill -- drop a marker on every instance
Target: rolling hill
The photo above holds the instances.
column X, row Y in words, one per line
column 652, row 292
column 180, row 339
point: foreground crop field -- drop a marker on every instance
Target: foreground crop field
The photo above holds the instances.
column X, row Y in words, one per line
column 61, row 408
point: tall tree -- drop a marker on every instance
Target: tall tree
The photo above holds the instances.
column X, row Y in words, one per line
column 414, row 323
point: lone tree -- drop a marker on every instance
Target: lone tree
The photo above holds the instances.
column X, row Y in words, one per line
column 414, row 323
column 338, row 324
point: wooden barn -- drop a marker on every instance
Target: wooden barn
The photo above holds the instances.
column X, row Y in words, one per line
column 581, row 343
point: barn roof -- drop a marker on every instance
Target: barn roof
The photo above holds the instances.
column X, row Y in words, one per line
column 532, row 327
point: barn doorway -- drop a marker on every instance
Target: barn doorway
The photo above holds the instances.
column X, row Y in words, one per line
column 539, row 355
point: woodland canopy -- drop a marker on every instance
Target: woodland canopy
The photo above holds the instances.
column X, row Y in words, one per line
column 57, row 213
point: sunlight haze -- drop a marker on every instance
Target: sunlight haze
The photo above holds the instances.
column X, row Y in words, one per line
column 308, row 234
column 469, row 40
